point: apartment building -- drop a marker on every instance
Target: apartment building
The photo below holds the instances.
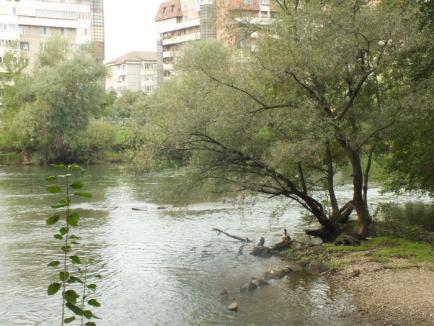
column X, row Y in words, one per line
column 183, row 21
column 28, row 24
column 134, row 71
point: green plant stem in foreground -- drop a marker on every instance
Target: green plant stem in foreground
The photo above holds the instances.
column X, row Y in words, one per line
column 70, row 273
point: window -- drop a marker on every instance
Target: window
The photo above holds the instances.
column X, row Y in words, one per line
column 45, row 30
column 24, row 46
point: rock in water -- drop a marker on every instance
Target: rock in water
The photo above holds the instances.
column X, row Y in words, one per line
column 263, row 252
column 316, row 267
column 233, row 306
column 251, row 286
column 224, row 292
column 283, row 245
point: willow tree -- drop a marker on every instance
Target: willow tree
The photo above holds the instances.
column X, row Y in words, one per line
column 313, row 95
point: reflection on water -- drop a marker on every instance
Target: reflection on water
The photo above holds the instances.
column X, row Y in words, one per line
column 161, row 266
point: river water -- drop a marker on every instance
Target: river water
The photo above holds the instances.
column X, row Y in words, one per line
column 158, row 266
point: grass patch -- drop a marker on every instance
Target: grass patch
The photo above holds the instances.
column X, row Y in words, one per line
column 401, row 248
column 333, row 248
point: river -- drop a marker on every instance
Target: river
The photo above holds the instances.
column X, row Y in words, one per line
column 159, row 266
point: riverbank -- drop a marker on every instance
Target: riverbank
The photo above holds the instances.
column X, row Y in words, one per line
column 391, row 281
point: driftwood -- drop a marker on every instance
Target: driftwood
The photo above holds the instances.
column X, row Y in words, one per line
column 232, row 236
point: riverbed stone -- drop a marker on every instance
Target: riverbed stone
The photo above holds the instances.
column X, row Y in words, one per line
column 233, row 306
column 315, row 267
column 251, row 286
column 261, row 251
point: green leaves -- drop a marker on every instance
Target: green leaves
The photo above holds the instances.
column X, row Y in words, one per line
column 54, row 263
column 73, row 219
column 66, row 277
column 71, row 296
column 74, row 279
column 83, row 194
column 94, row 303
column 76, row 310
column 89, row 314
column 54, row 189
column 53, row 219
column 69, row 320
column 76, row 185
column 53, row 288
column 75, row 260
column 60, row 204
column 63, row 276
column 92, row 287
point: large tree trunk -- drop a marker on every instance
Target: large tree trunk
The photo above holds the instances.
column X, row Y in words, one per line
column 361, row 207
column 330, row 183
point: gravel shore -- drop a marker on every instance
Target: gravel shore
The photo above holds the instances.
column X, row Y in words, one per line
column 395, row 293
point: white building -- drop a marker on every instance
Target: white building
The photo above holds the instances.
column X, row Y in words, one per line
column 28, row 24
column 134, row 71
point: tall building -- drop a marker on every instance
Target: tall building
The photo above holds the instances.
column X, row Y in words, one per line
column 28, row 24
column 183, row 21
column 97, row 27
column 134, row 71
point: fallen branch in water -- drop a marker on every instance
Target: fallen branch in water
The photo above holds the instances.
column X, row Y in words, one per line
column 232, row 236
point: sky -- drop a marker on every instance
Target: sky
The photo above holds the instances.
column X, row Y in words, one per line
column 129, row 26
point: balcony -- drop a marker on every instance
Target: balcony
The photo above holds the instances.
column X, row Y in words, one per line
column 182, row 38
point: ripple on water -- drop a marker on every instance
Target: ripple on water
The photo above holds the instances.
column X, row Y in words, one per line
column 158, row 266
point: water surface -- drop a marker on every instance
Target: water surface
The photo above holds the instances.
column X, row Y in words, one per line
column 160, row 266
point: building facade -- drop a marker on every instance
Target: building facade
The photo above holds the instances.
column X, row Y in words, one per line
column 28, row 24
column 183, row 21
column 134, row 71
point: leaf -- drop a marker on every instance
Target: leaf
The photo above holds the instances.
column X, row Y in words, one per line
column 92, row 286
column 76, row 310
column 53, row 288
column 98, row 276
column 54, row 263
column 63, row 230
column 71, row 296
column 60, row 167
column 73, row 219
column 74, row 237
column 90, row 323
column 63, row 276
column 58, row 236
column 77, row 185
column 94, row 303
column 75, row 167
column 75, row 259
column 51, row 178
column 60, row 204
column 54, row 189
column 89, row 314
column 83, row 194
column 69, row 320
column 73, row 279
column 66, row 248
column 53, row 219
